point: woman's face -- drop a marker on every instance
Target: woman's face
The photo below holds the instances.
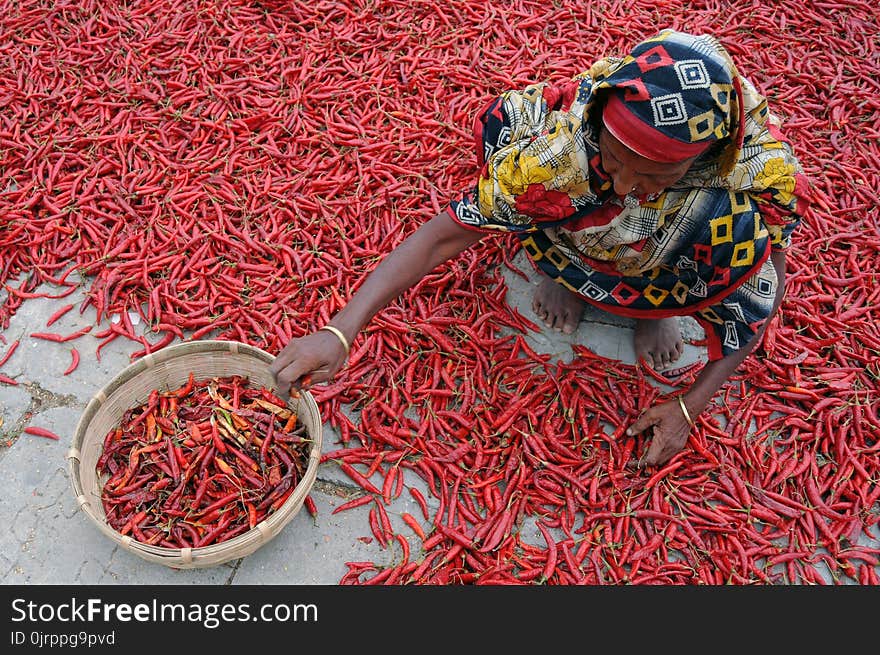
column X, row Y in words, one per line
column 633, row 174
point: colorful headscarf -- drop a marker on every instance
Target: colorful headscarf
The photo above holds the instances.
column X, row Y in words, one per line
column 671, row 99
column 643, row 137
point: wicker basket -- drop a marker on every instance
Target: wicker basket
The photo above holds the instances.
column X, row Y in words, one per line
column 169, row 368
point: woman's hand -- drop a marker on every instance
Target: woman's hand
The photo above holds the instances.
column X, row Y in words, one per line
column 670, row 434
column 308, row 360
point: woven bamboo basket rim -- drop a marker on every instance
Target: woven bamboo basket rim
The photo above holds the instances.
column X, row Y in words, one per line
column 169, row 368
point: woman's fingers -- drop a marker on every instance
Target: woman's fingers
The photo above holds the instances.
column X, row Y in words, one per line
column 669, row 433
column 645, row 420
column 312, row 359
column 658, row 452
column 283, row 359
column 286, row 380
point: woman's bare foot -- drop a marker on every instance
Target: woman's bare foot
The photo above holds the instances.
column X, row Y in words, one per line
column 559, row 308
column 658, row 341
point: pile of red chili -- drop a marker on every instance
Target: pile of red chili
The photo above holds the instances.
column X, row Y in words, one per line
column 234, row 169
column 201, row 464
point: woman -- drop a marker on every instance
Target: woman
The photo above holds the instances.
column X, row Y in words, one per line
column 653, row 186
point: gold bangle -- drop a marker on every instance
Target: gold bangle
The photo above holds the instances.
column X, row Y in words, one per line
column 684, row 410
column 339, row 335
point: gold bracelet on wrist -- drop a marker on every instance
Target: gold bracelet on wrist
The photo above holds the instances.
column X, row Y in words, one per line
column 684, row 410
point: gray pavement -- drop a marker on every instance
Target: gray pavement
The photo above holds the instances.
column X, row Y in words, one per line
column 50, row 541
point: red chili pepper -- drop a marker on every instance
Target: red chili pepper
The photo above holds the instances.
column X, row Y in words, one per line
column 8, row 353
column 41, row 432
column 53, row 336
column 376, row 527
column 58, row 314
column 133, row 522
column 420, row 499
column 552, row 553
column 501, row 527
column 217, row 439
column 359, row 478
column 187, row 387
column 413, row 523
column 351, row 504
column 74, row 361
column 404, row 546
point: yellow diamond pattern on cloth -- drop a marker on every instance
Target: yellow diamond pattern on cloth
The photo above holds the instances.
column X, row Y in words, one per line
column 655, row 295
column 702, row 125
column 561, row 280
column 760, row 229
column 743, row 254
column 532, row 249
column 559, row 260
column 711, row 316
column 680, row 292
column 740, row 203
column 721, row 94
column 722, row 229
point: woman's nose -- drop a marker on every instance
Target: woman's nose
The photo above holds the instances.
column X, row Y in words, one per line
column 624, row 182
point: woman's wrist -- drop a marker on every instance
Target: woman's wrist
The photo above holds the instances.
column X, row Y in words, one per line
column 685, row 411
column 346, row 344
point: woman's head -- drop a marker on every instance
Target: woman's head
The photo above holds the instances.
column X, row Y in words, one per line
column 671, row 99
column 633, row 173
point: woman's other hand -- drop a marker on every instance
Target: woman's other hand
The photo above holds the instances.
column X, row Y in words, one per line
column 670, row 433
column 308, row 360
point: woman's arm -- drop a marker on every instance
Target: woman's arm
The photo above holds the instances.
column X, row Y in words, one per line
column 320, row 354
column 670, row 426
